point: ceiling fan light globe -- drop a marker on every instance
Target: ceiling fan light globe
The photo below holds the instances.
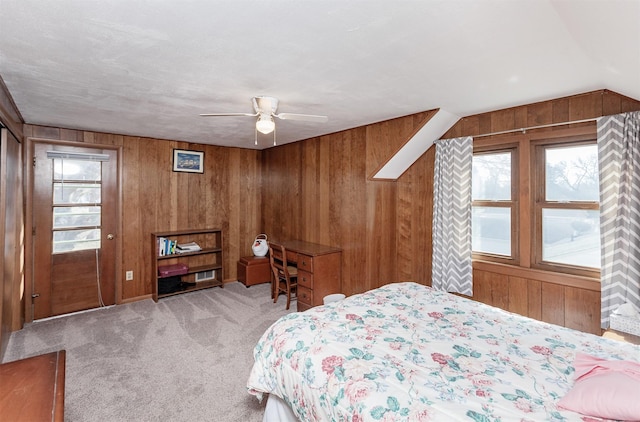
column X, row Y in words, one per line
column 265, row 124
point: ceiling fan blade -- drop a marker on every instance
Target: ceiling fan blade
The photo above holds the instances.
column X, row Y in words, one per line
column 229, row 114
column 302, row 117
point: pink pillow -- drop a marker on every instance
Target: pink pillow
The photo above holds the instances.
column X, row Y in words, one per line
column 605, row 389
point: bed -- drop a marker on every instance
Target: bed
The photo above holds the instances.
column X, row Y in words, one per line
column 406, row 352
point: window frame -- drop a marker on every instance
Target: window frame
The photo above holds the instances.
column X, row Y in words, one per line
column 539, row 202
column 522, row 142
column 513, row 204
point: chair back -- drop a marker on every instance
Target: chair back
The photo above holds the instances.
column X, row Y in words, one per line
column 278, row 260
column 285, row 277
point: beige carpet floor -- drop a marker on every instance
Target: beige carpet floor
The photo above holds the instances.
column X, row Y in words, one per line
column 185, row 358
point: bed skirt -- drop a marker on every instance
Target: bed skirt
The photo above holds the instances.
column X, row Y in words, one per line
column 278, row 411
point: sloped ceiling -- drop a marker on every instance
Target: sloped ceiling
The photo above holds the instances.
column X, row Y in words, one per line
column 149, row 68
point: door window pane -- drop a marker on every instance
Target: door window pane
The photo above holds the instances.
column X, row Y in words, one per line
column 75, row 240
column 491, row 230
column 66, row 217
column 571, row 173
column 571, row 237
column 76, row 193
column 491, row 178
column 78, row 170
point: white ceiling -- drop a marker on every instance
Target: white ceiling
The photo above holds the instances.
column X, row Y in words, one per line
column 150, row 67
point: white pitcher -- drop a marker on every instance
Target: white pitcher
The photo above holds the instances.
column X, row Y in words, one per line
column 260, row 246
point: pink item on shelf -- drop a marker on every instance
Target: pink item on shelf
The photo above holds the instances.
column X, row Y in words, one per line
column 174, row 269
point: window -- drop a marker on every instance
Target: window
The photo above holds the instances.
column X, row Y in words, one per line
column 567, row 214
column 543, row 214
column 493, row 207
column 76, row 205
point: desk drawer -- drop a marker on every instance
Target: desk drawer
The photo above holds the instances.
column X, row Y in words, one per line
column 305, row 279
column 305, row 296
column 292, row 257
column 305, row 263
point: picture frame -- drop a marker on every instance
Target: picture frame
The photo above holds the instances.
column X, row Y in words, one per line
column 188, row 161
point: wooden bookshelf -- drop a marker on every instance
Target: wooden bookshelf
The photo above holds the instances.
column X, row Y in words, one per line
column 204, row 267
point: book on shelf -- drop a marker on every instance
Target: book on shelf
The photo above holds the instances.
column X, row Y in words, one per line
column 188, row 247
column 166, row 246
column 172, row 247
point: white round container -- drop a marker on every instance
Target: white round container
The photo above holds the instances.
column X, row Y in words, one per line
column 333, row 298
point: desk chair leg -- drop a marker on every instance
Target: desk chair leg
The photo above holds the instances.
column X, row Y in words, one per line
column 276, row 290
column 288, row 297
column 273, row 287
column 290, row 290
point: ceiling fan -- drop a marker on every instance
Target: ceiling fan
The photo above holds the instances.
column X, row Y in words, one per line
column 265, row 109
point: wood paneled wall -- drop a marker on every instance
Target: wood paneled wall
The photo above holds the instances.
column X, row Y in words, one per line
column 551, row 297
column 9, row 114
column 154, row 198
column 317, row 190
column 11, row 219
column 567, row 109
column 11, row 236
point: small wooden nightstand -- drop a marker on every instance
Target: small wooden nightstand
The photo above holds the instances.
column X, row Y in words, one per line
column 620, row 336
column 254, row 270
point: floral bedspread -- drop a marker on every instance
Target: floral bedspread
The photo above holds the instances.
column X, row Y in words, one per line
column 405, row 352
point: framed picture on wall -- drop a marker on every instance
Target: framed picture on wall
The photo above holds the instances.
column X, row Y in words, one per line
column 188, row 161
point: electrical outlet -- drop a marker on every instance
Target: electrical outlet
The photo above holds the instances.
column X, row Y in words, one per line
column 129, row 275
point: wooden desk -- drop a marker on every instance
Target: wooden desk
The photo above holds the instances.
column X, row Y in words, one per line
column 319, row 271
column 32, row 389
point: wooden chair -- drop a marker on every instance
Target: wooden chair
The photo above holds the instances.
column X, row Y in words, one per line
column 285, row 277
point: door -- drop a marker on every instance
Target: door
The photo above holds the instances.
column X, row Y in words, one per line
column 74, row 228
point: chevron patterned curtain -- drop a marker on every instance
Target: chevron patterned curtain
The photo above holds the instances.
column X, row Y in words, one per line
column 451, row 232
column 619, row 162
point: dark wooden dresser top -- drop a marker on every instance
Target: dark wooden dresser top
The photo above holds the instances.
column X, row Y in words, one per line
column 32, row 389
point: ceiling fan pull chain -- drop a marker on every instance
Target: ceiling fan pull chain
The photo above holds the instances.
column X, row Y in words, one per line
column 256, row 135
column 274, row 136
